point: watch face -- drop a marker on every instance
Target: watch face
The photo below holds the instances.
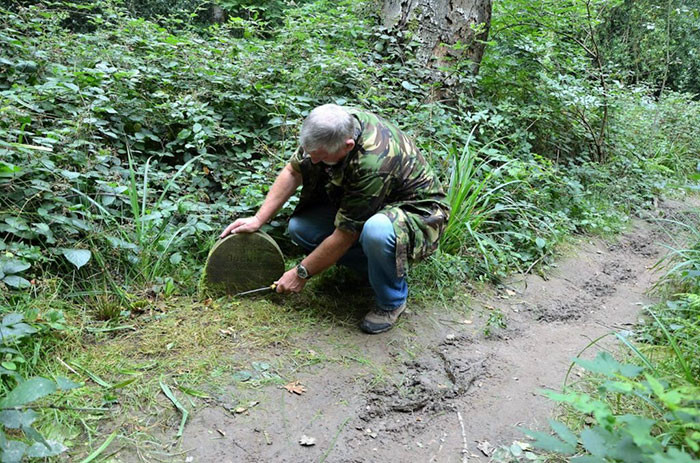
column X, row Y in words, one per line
column 302, row 272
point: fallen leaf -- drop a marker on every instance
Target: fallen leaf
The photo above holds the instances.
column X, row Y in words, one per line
column 295, row 387
column 240, row 410
column 510, row 292
column 307, row 441
column 242, row 376
column 221, row 432
column 485, row 447
column 206, row 170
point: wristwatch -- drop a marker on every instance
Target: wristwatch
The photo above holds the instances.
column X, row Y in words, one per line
column 302, row 272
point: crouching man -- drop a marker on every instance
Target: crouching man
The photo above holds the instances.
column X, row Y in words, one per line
column 369, row 201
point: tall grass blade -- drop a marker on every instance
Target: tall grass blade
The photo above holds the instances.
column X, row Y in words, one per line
column 169, row 394
column 674, row 345
column 101, row 449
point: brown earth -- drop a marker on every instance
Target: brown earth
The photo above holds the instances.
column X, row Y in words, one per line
column 442, row 382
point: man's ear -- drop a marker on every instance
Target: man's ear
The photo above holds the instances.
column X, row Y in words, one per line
column 349, row 144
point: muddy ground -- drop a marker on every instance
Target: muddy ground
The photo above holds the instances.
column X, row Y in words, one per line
column 444, row 381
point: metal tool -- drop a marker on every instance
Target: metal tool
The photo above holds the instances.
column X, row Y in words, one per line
column 272, row 287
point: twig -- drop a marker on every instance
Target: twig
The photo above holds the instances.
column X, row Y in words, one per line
column 67, row 366
column 442, row 442
column 465, row 450
column 54, row 407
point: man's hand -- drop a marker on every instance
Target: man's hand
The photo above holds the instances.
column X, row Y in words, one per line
column 290, row 282
column 244, row 225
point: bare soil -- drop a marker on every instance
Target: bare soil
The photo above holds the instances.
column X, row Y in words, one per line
column 444, row 381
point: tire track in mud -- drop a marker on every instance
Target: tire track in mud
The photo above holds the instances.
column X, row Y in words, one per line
column 442, row 382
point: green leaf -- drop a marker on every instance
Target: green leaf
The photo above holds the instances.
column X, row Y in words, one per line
column 77, row 257
column 640, row 430
column 14, row 266
column 39, row 450
column 101, row 448
column 540, row 242
column 169, row 394
column 242, row 376
column 9, row 170
column 176, row 258
column 72, row 86
column 261, row 366
column 34, row 435
column 13, row 327
column 70, row 175
column 15, row 419
column 594, row 442
column 564, row 432
column 28, row 391
column 194, row 392
column 605, row 364
column 92, row 375
column 550, row 443
column 197, row 127
column 12, row 318
column 65, row 384
column 588, row 459
column 124, row 383
column 16, row 282
column 673, row 456
column 184, row 134
column 409, row 86
column 12, row 451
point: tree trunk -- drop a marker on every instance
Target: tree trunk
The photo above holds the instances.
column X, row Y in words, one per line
column 448, row 29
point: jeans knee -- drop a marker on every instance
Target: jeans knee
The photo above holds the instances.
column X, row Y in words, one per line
column 378, row 235
column 294, row 228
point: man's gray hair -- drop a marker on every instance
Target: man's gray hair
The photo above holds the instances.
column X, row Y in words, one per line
column 327, row 127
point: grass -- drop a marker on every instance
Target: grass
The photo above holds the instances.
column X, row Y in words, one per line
column 190, row 345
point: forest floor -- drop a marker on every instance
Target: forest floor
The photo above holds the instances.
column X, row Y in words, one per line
column 446, row 385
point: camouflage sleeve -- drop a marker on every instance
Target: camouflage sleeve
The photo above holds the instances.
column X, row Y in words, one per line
column 296, row 159
column 362, row 198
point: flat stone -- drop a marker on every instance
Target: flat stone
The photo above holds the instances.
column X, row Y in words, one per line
column 243, row 261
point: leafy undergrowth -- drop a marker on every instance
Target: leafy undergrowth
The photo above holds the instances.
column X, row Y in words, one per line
column 127, row 143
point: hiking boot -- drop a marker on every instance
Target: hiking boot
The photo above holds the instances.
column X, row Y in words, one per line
column 378, row 320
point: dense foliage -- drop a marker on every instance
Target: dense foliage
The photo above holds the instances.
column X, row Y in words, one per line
column 132, row 132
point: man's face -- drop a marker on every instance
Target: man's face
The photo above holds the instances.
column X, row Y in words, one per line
column 330, row 159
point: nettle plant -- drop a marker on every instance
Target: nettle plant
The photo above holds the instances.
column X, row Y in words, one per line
column 667, row 432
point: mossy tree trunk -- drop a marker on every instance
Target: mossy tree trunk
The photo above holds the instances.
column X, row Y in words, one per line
column 449, row 30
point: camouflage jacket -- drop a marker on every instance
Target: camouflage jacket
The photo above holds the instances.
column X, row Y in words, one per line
column 384, row 173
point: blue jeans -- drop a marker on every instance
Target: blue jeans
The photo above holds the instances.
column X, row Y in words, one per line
column 374, row 254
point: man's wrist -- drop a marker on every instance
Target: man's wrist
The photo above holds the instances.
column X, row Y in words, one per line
column 302, row 272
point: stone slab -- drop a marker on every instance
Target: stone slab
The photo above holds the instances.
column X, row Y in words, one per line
column 243, row 261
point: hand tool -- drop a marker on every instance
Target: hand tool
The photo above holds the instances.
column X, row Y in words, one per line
column 272, row 287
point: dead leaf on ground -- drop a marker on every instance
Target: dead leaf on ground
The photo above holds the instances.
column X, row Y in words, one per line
column 295, row 387
column 485, row 447
column 307, row 441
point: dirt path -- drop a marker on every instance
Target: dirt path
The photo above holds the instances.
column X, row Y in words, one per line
column 437, row 384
